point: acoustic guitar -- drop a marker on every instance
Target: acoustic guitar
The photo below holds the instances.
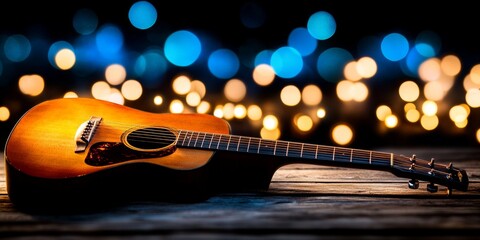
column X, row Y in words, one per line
column 71, row 151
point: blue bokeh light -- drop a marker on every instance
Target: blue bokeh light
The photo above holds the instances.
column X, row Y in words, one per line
column 109, row 41
column 321, row 25
column 150, row 67
column 431, row 39
column 263, row 57
column 412, row 62
column 182, row 48
column 395, row 47
column 223, row 63
column 331, row 62
column 301, row 40
column 142, row 15
column 85, row 21
column 286, row 62
column 17, row 48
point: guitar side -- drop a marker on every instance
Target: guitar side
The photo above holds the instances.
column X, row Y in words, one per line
column 40, row 154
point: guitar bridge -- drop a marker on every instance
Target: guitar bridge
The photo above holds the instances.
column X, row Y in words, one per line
column 85, row 133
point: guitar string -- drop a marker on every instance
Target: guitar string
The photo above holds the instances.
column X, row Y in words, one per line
column 158, row 135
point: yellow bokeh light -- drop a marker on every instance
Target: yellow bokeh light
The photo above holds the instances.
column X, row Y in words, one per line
column 429, row 108
column 472, row 97
column 478, row 135
column 70, row 95
column 240, row 111
column 115, row 74
column 158, row 100
column 65, row 59
column 434, row 91
column 203, row 107
column 263, row 74
column 32, row 85
column 345, row 90
column 100, row 90
column 451, row 65
column 412, row 115
column 304, row 123
column 469, row 84
column 382, row 112
column 366, row 67
column 181, row 85
column 235, row 90
column 350, row 71
column 342, row 134
column 290, row 95
column 115, row 96
column 254, row 112
column 193, row 99
column 462, row 124
column 270, row 122
column 271, row 134
column 429, row 122
column 218, row 111
column 361, row 92
column 475, row 74
column 409, row 91
column 198, row 87
column 228, row 111
column 132, row 90
column 391, row 121
column 458, row 113
column 409, row 106
column 321, row 113
column 430, row 70
column 4, row 114
column 311, row 95
column 176, row 106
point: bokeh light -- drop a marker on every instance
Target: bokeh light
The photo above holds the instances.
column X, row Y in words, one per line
column 32, row 85
column 182, row 48
column 142, row 15
column 4, row 114
column 342, row 134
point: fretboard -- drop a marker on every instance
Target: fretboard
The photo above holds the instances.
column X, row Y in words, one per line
column 297, row 150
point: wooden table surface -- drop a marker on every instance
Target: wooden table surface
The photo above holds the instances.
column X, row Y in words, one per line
column 303, row 202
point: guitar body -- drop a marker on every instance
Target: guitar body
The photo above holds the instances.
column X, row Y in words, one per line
column 48, row 163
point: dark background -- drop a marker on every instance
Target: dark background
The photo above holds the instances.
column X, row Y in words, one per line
column 455, row 22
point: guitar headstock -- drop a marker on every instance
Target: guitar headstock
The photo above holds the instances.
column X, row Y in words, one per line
column 434, row 173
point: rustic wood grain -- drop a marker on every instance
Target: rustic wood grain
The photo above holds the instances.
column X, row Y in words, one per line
column 303, row 202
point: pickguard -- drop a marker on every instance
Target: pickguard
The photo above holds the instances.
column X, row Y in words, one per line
column 107, row 153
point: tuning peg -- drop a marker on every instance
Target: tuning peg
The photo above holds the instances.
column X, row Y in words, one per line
column 413, row 158
column 450, row 166
column 449, row 191
column 432, row 163
column 431, row 187
column 413, row 184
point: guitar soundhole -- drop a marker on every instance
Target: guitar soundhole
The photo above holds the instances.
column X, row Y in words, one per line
column 150, row 138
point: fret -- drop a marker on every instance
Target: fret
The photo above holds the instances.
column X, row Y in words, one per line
column 211, row 140
column 333, row 154
column 183, row 142
column 275, row 148
column 203, row 140
column 190, row 139
column 254, row 146
column 234, row 140
column 370, row 158
column 259, row 144
column 196, row 140
column 238, row 144
column 281, row 148
column 316, row 152
column 301, row 151
column 309, row 151
column 351, row 155
column 248, row 146
column 219, row 138
column 286, row 152
column 295, row 150
column 229, row 138
column 179, row 135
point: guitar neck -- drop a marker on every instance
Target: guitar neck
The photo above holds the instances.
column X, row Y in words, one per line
column 293, row 151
